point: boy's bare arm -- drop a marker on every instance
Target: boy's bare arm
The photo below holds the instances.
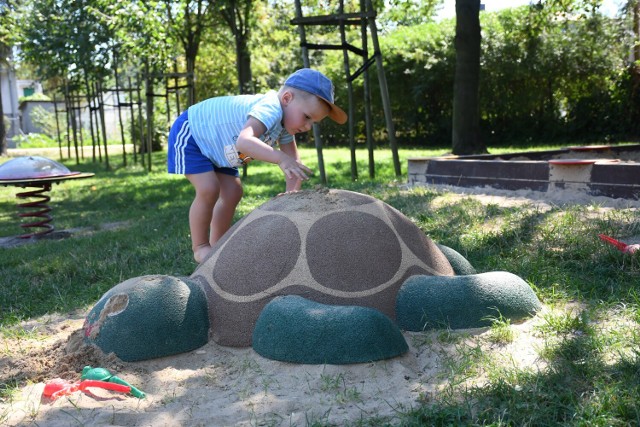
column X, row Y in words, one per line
column 249, row 144
column 291, row 149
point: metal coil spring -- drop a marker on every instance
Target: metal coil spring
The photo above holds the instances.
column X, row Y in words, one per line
column 42, row 212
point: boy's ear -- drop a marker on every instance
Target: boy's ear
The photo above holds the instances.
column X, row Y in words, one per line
column 287, row 97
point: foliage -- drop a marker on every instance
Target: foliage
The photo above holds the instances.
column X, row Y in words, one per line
column 406, row 13
column 35, row 140
column 554, row 70
column 538, row 76
column 419, row 62
column 139, row 31
column 7, row 28
column 45, row 120
column 34, row 97
column 65, row 39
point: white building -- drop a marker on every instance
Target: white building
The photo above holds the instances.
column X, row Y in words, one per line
column 12, row 90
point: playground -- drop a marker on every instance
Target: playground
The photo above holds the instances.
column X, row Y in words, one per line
column 536, row 235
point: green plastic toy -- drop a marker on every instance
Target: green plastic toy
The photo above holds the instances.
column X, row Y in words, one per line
column 102, row 374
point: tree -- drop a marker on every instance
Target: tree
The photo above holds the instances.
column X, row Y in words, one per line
column 238, row 15
column 65, row 38
column 466, row 110
column 187, row 22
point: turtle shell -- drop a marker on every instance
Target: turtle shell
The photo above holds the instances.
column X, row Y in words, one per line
column 331, row 246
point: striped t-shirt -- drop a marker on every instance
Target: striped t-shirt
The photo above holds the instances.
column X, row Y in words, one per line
column 216, row 123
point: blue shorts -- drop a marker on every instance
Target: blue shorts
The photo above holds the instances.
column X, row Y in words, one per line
column 184, row 155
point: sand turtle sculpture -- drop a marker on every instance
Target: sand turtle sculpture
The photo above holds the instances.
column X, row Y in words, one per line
column 319, row 276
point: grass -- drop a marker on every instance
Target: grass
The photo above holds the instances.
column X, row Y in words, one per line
column 134, row 223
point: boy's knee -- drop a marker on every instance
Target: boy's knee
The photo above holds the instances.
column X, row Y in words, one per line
column 232, row 192
column 210, row 192
column 237, row 193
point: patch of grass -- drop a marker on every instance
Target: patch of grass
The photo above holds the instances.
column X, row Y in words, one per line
column 500, row 331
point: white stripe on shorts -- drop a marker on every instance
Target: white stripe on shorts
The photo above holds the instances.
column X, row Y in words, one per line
column 181, row 145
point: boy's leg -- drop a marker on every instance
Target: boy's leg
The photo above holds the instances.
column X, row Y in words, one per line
column 230, row 195
column 207, row 189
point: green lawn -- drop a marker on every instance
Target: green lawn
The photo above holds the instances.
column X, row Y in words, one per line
column 134, row 222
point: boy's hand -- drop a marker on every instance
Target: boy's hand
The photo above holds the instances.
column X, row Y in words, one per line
column 293, row 168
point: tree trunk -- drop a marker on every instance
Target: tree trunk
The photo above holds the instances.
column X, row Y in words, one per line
column 634, row 69
column 466, row 109
column 237, row 15
column 191, row 72
column 636, row 30
column 243, row 61
column 3, row 131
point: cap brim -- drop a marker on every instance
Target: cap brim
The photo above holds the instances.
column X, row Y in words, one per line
column 336, row 113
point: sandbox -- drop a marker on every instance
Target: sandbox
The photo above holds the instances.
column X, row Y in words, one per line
column 599, row 170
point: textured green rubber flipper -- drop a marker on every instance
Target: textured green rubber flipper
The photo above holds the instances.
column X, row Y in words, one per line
column 429, row 302
column 294, row 329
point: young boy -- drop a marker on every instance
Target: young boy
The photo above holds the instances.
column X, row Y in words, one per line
column 210, row 140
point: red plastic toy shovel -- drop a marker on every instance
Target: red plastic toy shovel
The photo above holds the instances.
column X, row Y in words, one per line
column 621, row 246
column 59, row 387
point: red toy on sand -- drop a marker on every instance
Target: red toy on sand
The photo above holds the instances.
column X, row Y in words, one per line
column 59, row 387
column 621, row 246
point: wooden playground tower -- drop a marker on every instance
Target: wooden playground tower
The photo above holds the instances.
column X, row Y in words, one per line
column 366, row 19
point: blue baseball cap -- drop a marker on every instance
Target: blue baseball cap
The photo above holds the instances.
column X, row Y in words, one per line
column 318, row 84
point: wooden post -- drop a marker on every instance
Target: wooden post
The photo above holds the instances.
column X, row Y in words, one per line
column 67, row 108
column 79, row 108
column 167, row 90
column 140, row 124
column 93, row 139
column 347, row 72
column 94, row 90
column 384, row 92
column 55, row 109
column 149, row 98
column 102, row 121
column 316, row 128
column 367, row 92
column 117, row 103
column 74, row 124
column 176, row 84
column 133, row 122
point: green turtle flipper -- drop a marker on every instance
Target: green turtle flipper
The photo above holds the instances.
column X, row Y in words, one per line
column 428, row 302
column 294, row 329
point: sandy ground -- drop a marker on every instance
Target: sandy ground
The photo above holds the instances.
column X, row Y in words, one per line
column 222, row 386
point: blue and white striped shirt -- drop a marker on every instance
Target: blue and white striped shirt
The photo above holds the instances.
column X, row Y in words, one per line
column 216, row 123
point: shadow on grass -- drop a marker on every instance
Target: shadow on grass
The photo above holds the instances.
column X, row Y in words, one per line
column 579, row 388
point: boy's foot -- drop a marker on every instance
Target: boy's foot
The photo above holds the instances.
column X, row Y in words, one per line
column 201, row 252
